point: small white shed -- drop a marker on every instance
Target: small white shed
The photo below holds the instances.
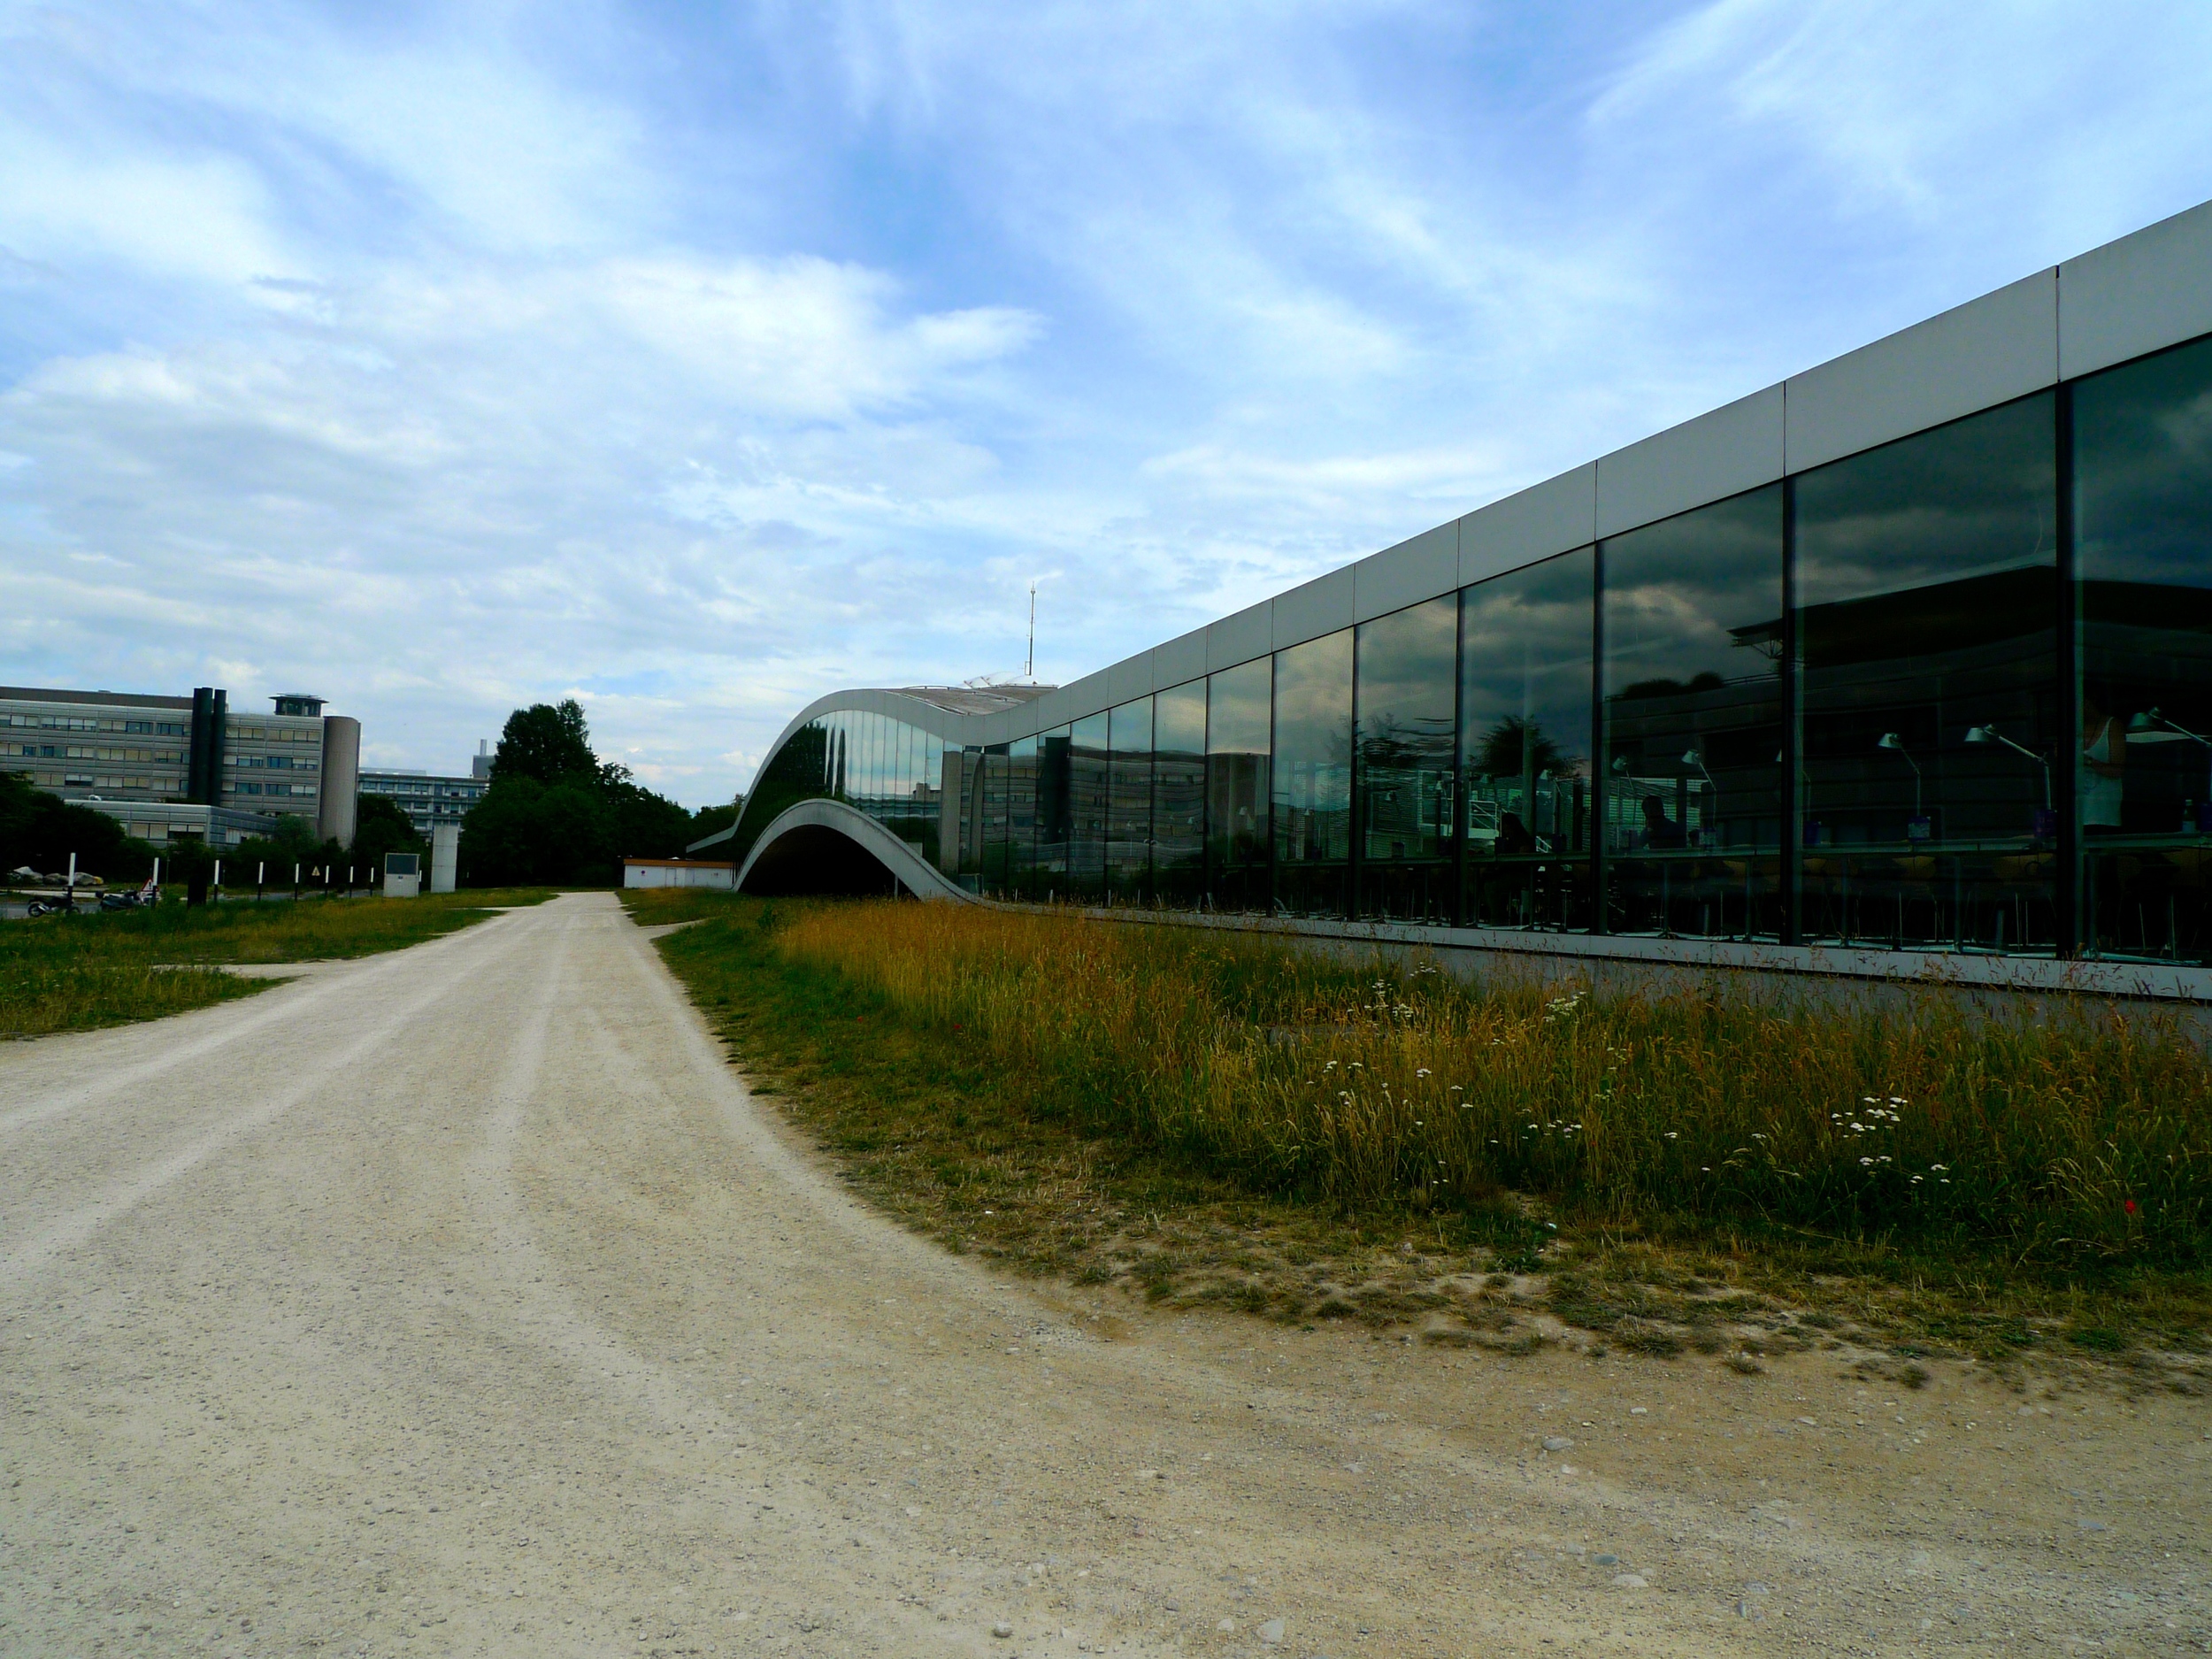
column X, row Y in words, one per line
column 677, row 873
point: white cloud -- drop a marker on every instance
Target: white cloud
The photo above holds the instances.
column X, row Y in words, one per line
column 448, row 361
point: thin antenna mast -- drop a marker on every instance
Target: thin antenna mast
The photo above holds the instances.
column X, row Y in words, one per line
column 1029, row 663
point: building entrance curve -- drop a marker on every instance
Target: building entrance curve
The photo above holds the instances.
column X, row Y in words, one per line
column 823, row 846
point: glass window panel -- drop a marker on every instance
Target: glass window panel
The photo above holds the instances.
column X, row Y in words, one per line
column 1178, row 811
column 1129, row 802
column 1927, row 588
column 1087, row 807
column 2143, row 552
column 794, row 773
column 1692, row 708
column 1312, row 776
column 949, row 817
column 1055, row 812
column 1406, row 756
column 1239, row 727
column 1524, row 732
column 998, row 819
column 1023, row 809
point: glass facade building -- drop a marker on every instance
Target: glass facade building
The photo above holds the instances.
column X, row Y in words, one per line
column 1914, row 650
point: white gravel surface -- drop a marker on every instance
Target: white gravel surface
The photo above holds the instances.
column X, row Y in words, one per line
column 459, row 1301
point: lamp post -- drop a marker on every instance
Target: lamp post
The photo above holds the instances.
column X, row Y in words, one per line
column 2152, row 726
column 2047, row 820
column 1917, row 829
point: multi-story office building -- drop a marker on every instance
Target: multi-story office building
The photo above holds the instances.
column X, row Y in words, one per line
column 428, row 798
column 1911, row 652
column 112, row 748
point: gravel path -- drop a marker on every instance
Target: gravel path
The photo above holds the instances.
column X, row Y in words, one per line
column 459, row 1301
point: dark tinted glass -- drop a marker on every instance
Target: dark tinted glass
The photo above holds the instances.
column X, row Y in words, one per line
column 1022, row 815
column 1408, row 664
column 2143, row 551
column 1312, row 776
column 997, row 773
column 1693, row 708
column 1525, row 738
column 1179, row 783
column 1926, row 587
column 798, row 771
column 1054, row 813
column 1239, row 715
column 1086, row 808
column 1129, row 802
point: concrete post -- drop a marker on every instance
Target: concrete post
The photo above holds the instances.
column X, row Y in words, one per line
column 445, row 856
column 335, row 814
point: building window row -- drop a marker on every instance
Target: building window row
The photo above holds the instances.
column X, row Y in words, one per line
column 1953, row 692
column 80, row 722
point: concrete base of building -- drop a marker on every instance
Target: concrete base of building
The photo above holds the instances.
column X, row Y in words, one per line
column 1612, row 964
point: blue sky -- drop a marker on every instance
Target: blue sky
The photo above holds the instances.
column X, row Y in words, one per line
column 694, row 361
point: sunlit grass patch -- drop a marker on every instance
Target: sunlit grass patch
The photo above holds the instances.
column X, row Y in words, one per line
column 107, row 968
column 1203, row 1118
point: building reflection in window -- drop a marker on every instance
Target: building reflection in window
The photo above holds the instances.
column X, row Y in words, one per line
column 1407, row 811
column 1129, row 803
column 1178, row 811
column 1525, row 736
column 1312, row 776
column 1692, row 708
column 2143, row 553
column 1238, row 716
column 1927, row 647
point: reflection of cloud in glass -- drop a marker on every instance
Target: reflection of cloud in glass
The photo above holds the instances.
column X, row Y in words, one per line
column 1969, row 499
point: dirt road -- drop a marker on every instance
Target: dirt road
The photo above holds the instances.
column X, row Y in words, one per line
column 460, row 1301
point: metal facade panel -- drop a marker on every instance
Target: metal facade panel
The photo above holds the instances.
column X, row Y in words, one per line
column 1988, row 352
column 1088, row 694
column 1420, row 568
column 1132, row 676
column 1055, row 707
column 2138, row 295
column 1554, row 517
column 1733, row 449
column 1240, row 638
column 1318, row 607
column 996, row 728
column 1181, row 658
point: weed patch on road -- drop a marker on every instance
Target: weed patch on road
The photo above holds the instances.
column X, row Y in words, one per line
column 109, row 968
column 1206, row 1120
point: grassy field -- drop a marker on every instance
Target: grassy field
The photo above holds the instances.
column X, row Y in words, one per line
column 76, row 972
column 1210, row 1119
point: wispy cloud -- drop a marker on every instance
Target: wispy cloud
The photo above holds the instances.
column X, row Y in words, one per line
column 698, row 363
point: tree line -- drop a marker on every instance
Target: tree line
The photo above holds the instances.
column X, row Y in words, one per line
column 555, row 814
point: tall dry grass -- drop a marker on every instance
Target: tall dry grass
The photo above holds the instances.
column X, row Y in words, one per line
column 1298, row 1074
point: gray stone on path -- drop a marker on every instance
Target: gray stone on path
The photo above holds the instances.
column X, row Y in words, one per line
column 1272, row 1631
column 1556, row 1442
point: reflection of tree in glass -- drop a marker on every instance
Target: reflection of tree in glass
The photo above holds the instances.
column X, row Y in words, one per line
column 1406, row 745
column 1706, row 681
column 1518, row 748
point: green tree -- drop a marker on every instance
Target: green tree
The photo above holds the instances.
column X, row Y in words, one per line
column 380, row 827
column 709, row 820
column 526, row 833
column 42, row 830
column 556, row 813
column 548, row 743
column 290, row 841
